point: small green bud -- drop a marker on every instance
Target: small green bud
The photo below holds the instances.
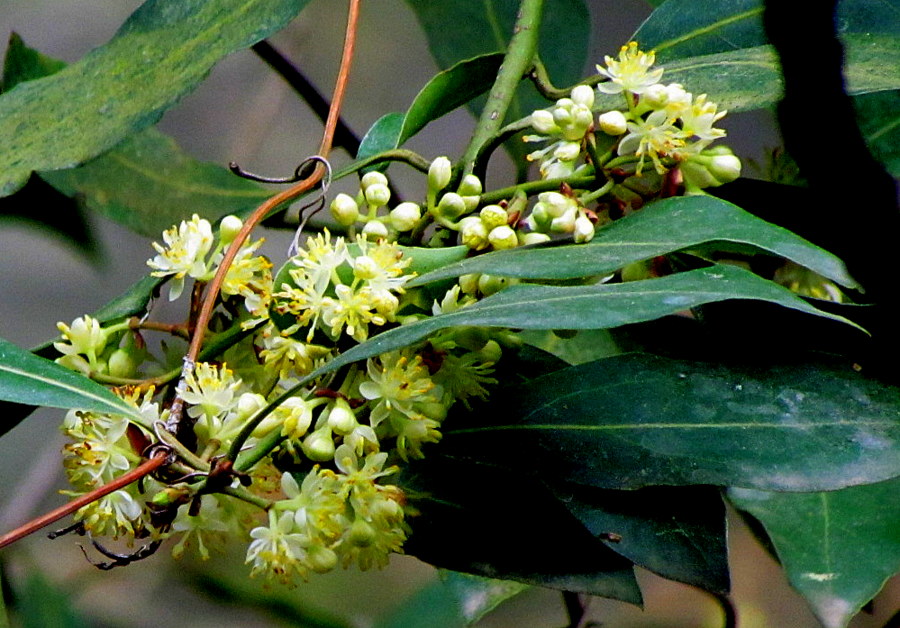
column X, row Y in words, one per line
column 473, row 233
column 375, row 230
column 377, row 194
column 725, row 168
column 542, row 122
column 491, row 351
column 229, row 228
column 405, row 216
column 656, row 96
column 493, row 216
column 321, row 559
column 341, row 418
column 583, row 95
column 503, row 237
column 344, row 209
column 612, row 123
column 451, row 206
column 491, row 284
column 555, row 203
column 533, row 238
column 319, row 445
column 122, row 363
column 567, row 151
column 439, row 174
column 372, row 178
column 469, row 283
column 566, row 222
column 584, row 229
column 470, row 186
column 562, row 115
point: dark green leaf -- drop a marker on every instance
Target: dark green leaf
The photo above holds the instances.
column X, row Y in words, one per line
column 449, row 90
column 148, row 184
column 485, row 27
column 381, row 136
column 676, row 532
column 686, row 28
column 659, row 228
column 838, row 548
column 750, row 78
column 28, row 379
column 529, row 306
column 132, row 302
column 162, row 52
column 637, row 420
column 456, row 599
column 878, row 116
column 24, row 64
column 488, row 521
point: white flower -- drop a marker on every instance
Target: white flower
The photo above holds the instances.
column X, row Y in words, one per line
column 184, row 254
column 630, row 73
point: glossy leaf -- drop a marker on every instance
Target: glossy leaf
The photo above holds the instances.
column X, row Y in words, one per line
column 638, row 420
column 22, row 63
column 660, row 228
column 878, row 116
column 685, row 28
column 148, row 184
column 837, row 548
column 381, row 136
column 28, row 379
column 493, row 522
column 455, row 599
column 750, row 78
column 564, row 39
column 676, row 532
column 161, row 52
column 530, row 306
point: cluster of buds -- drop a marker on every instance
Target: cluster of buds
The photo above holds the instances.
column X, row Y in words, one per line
column 375, row 194
column 566, row 124
column 557, row 213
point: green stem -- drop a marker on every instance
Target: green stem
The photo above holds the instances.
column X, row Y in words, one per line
column 518, row 61
column 541, row 80
column 535, row 187
column 412, row 158
column 262, row 449
column 245, row 495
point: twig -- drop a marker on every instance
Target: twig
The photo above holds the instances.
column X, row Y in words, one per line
column 344, row 136
column 728, row 610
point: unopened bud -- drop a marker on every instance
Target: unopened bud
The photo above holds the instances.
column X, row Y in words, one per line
column 493, row 216
column 375, row 230
column 344, row 209
column 503, row 237
column 451, row 206
column 341, row 418
column 229, row 228
column 377, row 194
column 319, row 445
column 584, row 229
column 612, row 123
column 542, row 122
column 473, row 233
column 470, row 186
column 583, row 95
column 439, row 174
column 405, row 216
column 372, row 178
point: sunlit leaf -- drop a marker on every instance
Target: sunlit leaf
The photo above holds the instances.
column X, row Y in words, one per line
column 161, row 52
column 661, row 227
column 638, row 420
column 28, row 379
column 837, row 548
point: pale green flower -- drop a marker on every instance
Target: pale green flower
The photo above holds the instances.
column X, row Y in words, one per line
column 184, row 254
column 630, row 72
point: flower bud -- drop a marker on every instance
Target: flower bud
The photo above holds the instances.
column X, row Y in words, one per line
column 405, row 216
column 566, row 222
column 341, row 418
column 319, row 445
column 439, row 174
column 725, row 168
column 470, row 186
column 612, row 123
column 567, row 151
column 503, row 237
column 491, row 284
column 372, row 178
column 451, row 206
column 469, row 283
column 583, row 95
column 534, row 238
column 491, row 351
column 377, row 194
column 493, row 216
column 122, row 363
column 375, row 230
column 344, row 209
column 321, row 559
column 229, row 228
column 656, row 96
column 562, row 116
column 584, row 229
column 555, row 203
column 542, row 122
column 473, row 233
column 362, row 534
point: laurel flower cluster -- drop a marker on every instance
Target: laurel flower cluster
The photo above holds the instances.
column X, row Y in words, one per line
column 567, row 123
column 338, row 292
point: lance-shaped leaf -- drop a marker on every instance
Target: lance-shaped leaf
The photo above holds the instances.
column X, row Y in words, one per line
column 837, row 548
column 659, row 228
column 161, row 52
column 750, row 78
column 146, row 183
column 530, row 306
column 676, row 532
column 878, row 116
column 638, row 420
column 448, row 90
column 684, row 28
column 28, row 379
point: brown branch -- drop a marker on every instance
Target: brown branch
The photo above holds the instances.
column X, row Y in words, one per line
column 65, row 510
